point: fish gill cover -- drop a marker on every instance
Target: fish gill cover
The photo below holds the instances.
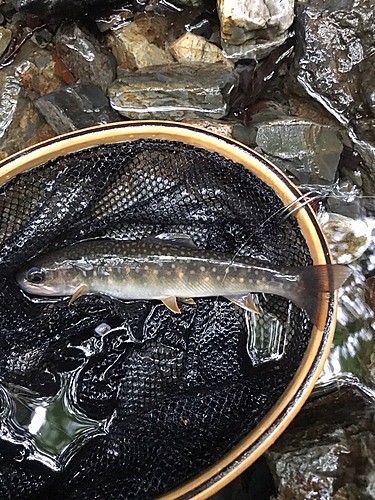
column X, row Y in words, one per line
column 159, row 397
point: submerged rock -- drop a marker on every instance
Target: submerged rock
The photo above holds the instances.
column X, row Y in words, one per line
column 77, row 107
column 176, row 92
column 84, row 57
column 141, row 43
column 329, row 449
column 307, row 150
column 252, row 29
column 194, row 48
column 348, row 239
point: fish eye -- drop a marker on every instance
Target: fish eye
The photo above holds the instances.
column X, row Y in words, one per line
column 36, row 275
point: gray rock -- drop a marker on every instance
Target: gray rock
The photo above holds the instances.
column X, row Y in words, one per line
column 328, row 451
column 84, row 57
column 77, row 107
column 308, row 150
column 252, row 29
column 176, row 92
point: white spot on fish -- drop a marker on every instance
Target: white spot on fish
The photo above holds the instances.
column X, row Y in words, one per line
column 203, row 268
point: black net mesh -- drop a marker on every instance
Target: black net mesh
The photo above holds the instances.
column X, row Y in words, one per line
column 175, row 392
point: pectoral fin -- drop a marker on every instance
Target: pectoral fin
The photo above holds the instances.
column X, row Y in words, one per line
column 171, row 303
column 244, row 301
column 81, row 290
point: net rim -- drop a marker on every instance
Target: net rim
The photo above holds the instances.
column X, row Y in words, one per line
column 288, row 405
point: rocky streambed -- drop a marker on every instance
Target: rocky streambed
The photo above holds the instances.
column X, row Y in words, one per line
column 294, row 81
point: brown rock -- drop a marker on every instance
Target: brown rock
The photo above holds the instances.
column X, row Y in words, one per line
column 42, row 80
column 141, row 43
column 194, row 48
column 84, row 57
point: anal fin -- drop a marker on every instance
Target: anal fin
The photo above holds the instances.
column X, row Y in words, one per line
column 171, row 303
column 81, row 290
column 244, row 301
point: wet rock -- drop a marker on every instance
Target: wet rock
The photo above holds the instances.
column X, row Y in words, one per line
column 335, row 65
column 194, row 48
column 217, row 126
column 20, row 123
column 309, row 151
column 84, row 57
column 252, row 29
column 9, row 96
column 177, row 92
column 348, row 239
column 39, row 74
column 141, row 43
column 329, row 449
column 5, row 36
column 77, row 107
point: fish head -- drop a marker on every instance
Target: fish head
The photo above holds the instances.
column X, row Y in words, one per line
column 49, row 278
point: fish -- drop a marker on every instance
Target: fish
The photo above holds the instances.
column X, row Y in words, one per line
column 170, row 267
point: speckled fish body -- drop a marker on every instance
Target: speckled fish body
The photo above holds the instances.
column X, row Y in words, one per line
column 148, row 270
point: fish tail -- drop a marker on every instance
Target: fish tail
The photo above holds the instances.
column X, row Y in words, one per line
column 314, row 285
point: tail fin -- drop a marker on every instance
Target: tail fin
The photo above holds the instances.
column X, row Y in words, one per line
column 314, row 284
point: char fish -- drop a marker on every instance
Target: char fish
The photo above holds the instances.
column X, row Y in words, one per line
column 169, row 267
